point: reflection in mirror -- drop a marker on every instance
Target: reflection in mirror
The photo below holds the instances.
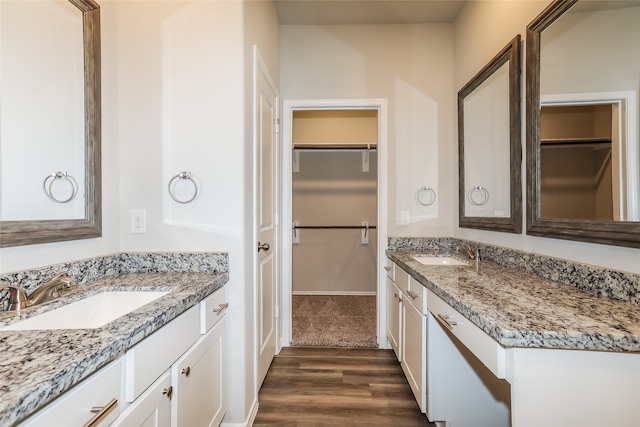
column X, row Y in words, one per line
column 489, row 145
column 50, row 121
column 41, row 110
column 582, row 141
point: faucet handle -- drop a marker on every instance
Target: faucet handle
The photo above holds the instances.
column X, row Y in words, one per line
column 17, row 297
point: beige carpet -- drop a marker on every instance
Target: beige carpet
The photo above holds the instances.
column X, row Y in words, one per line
column 334, row 320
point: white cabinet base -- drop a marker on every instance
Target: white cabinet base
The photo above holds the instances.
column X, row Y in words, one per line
column 574, row 388
column 152, row 408
column 199, row 380
column 462, row 390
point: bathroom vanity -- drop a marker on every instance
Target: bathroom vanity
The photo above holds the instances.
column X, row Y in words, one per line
column 154, row 363
column 515, row 349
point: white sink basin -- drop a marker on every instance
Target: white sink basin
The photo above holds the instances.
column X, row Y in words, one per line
column 89, row 313
column 438, row 260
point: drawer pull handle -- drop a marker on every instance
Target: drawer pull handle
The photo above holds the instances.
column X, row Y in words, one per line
column 101, row 412
column 386, row 267
column 446, row 321
column 221, row 308
column 186, row 371
column 413, row 294
column 168, row 392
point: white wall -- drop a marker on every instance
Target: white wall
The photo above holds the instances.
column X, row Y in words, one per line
column 481, row 30
column 412, row 67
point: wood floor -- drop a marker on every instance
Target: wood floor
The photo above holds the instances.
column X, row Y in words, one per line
column 312, row 386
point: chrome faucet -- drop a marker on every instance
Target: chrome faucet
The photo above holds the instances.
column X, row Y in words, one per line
column 51, row 290
column 467, row 250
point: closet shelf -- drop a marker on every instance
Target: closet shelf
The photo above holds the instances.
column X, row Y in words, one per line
column 335, row 147
column 574, row 141
column 341, row 227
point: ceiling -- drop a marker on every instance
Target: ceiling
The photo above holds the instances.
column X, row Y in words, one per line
column 340, row 12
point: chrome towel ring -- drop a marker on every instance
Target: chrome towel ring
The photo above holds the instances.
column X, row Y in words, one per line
column 422, row 193
column 478, row 196
column 47, row 186
column 183, row 175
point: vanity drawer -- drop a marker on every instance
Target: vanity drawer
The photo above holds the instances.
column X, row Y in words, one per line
column 485, row 348
column 101, row 390
column 212, row 309
column 390, row 268
column 417, row 294
column 402, row 279
column 150, row 358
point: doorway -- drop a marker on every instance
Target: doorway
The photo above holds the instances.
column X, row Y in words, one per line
column 588, row 157
column 334, row 235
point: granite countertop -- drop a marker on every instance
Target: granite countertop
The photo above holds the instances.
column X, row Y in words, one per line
column 38, row 366
column 520, row 309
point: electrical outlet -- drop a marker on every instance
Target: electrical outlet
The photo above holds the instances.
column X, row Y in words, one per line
column 138, row 221
column 405, row 218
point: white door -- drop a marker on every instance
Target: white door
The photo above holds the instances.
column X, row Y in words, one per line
column 266, row 109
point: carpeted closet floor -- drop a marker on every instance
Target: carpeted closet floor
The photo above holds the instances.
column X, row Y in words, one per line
column 334, row 320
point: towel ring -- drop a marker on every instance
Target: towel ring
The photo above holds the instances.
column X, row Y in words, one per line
column 183, row 175
column 47, row 186
column 473, row 197
column 428, row 190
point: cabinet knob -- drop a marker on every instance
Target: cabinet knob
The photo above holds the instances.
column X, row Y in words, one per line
column 186, row 371
column 168, row 392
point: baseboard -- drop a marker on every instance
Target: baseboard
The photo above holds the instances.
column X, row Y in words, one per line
column 250, row 418
column 331, row 293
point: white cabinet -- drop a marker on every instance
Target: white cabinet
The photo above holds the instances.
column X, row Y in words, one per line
column 407, row 330
column 97, row 398
column 464, row 364
column 414, row 350
column 199, row 380
column 191, row 391
column 152, row 408
column 394, row 302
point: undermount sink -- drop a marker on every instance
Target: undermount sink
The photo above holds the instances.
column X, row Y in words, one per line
column 89, row 313
column 438, row 260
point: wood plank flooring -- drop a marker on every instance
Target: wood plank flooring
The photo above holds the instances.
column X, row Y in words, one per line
column 312, row 386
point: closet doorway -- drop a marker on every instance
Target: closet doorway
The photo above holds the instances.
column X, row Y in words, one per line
column 332, row 203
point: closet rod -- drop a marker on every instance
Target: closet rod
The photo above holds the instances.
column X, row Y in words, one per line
column 359, row 227
column 334, row 146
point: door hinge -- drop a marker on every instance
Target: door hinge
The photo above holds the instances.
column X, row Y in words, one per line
column 277, row 125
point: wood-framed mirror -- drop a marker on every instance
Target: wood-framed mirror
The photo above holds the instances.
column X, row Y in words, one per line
column 581, row 122
column 18, row 229
column 489, row 145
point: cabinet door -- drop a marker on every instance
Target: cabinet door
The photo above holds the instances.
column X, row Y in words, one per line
column 152, row 408
column 414, row 348
column 199, row 381
column 394, row 298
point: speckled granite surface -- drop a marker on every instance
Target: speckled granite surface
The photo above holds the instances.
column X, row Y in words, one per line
column 38, row 366
column 521, row 309
column 618, row 285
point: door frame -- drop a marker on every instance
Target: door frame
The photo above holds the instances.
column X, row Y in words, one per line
column 286, row 252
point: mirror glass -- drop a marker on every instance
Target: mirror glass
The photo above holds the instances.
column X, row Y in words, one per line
column 489, row 145
column 583, row 176
column 49, row 121
column 41, row 110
